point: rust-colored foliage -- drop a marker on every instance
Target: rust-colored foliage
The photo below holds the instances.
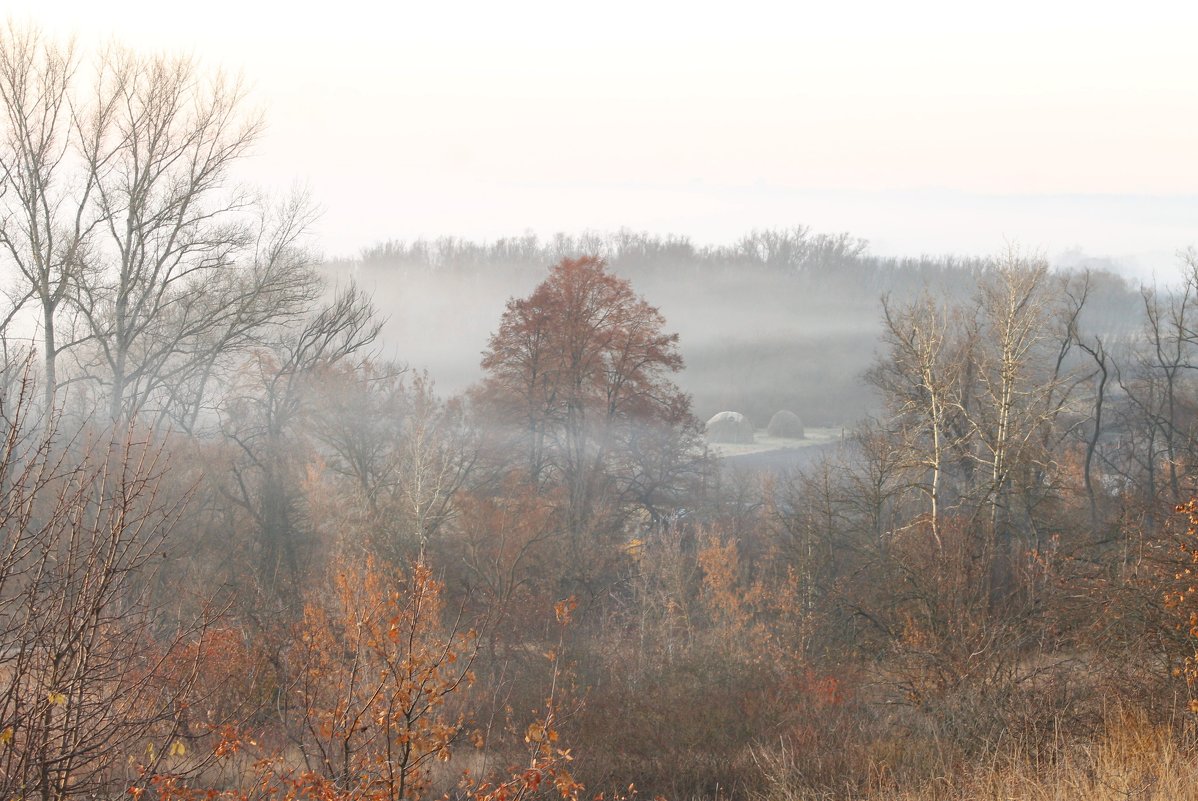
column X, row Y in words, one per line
column 376, row 699
column 507, row 547
column 578, row 374
column 224, row 676
column 375, row 673
column 1183, row 596
column 760, row 621
column 582, row 344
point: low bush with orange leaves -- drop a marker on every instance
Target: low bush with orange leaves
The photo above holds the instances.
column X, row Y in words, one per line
column 373, row 693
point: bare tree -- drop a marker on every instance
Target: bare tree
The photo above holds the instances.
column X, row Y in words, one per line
column 46, row 218
column 262, row 416
column 1024, row 383
column 89, row 686
column 406, row 452
column 236, row 309
column 924, row 382
column 172, row 220
column 119, row 211
column 1095, row 348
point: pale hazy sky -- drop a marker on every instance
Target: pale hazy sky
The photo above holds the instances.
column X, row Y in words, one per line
column 921, row 126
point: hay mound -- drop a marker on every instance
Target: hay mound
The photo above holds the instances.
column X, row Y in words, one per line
column 730, row 428
column 786, row 424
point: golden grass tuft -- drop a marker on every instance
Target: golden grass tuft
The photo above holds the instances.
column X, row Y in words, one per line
column 1132, row 759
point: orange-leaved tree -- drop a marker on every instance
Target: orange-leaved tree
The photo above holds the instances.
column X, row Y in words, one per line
column 374, row 695
column 1182, row 598
column 374, row 679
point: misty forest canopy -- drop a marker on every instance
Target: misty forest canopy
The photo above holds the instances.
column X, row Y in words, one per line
column 781, row 319
column 246, row 555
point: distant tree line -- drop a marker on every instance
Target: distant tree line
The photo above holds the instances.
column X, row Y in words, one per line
column 796, row 250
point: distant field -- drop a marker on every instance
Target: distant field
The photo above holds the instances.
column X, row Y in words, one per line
column 776, row 454
column 763, row 442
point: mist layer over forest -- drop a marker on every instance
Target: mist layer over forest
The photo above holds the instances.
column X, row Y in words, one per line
column 780, row 319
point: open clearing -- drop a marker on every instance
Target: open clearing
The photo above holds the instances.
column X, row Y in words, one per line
column 777, row 454
column 763, row 442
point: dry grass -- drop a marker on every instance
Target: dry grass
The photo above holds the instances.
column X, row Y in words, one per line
column 1132, row 760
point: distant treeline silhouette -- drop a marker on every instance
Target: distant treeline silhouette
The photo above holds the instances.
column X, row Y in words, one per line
column 797, row 250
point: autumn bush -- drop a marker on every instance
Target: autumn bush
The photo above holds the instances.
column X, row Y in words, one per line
column 372, row 696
